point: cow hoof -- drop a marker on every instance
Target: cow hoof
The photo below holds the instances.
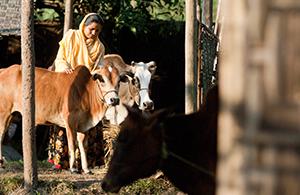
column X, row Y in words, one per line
column 74, row 171
column 88, row 172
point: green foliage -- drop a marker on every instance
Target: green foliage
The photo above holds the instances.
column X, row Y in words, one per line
column 14, row 165
column 172, row 10
column 133, row 14
column 9, row 184
column 136, row 15
column 57, row 187
column 46, row 14
column 147, row 186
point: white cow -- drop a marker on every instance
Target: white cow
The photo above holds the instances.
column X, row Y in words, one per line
column 135, row 90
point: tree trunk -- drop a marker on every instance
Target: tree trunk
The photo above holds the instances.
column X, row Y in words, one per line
column 190, row 57
column 68, row 15
column 28, row 112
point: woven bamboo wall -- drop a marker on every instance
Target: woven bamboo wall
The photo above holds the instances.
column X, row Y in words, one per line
column 10, row 17
column 259, row 77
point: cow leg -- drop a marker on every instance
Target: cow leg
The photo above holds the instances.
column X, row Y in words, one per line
column 82, row 143
column 71, row 148
column 1, row 140
column 4, row 121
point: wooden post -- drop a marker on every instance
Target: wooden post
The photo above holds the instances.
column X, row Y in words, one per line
column 190, row 57
column 199, row 62
column 259, row 136
column 207, row 17
column 68, row 15
column 231, row 153
column 28, row 112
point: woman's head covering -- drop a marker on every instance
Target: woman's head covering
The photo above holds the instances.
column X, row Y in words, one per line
column 78, row 50
column 82, row 26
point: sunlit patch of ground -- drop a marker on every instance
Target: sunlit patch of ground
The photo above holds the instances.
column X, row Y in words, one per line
column 63, row 182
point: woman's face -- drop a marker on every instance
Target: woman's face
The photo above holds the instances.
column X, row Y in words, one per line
column 92, row 30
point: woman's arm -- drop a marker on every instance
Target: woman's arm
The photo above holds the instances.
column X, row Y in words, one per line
column 61, row 63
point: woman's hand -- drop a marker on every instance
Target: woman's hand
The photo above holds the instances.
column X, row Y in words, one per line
column 69, row 70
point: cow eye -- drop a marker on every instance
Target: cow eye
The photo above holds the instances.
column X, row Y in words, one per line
column 133, row 81
column 136, row 82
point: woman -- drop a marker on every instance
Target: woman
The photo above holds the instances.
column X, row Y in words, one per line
column 82, row 46
column 78, row 47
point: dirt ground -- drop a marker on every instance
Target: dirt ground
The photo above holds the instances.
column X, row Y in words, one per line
column 63, row 182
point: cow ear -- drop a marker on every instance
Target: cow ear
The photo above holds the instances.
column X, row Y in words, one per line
column 152, row 67
column 156, row 77
column 97, row 76
column 156, row 117
column 130, row 74
column 159, row 115
column 134, row 114
column 156, row 120
column 124, row 76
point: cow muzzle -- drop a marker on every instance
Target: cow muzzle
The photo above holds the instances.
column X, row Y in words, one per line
column 108, row 187
column 111, row 98
column 149, row 105
column 114, row 101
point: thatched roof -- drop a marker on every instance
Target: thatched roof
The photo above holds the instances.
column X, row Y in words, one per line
column 10, row 17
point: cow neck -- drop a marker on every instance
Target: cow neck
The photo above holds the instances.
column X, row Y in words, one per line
column 134, row 93
column 168, row 155
column 97, row 100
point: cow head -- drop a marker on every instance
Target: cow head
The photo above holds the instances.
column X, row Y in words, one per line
column 137, row 151
column 107, row 78
column 140, row 81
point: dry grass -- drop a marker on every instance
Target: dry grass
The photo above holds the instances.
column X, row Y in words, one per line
column 110, row 132
column 63, row 182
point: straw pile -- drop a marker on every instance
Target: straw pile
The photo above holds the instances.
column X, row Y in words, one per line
column 110, row 132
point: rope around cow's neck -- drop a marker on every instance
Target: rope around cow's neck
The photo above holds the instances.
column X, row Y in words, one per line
column 110, row 91
column 102, row 96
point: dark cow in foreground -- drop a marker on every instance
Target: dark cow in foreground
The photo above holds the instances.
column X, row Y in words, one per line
column 76, row 101
column 182, row 146
column 133, row 92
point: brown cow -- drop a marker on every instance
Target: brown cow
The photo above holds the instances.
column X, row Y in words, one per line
column 182, row 146
column 135, row 90
column 76, row 101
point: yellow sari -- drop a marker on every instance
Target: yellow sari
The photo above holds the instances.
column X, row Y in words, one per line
column 75, row 49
